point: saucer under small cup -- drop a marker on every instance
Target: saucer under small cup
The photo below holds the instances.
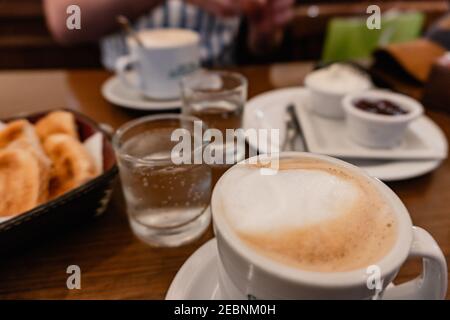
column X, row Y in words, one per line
column 117, row 93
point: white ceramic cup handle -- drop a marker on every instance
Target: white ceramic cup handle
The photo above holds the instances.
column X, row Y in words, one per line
column 432, row 283
column 122, row 64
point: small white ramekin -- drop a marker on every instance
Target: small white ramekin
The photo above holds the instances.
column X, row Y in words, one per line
column 326, row 102
column 376, row 130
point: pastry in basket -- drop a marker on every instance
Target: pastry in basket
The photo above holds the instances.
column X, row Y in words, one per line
column 19, row 130
column 72, row 164
column 20, row 134
column 21, row 186
column 57, row 122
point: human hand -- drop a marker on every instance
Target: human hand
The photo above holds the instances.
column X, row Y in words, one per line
column 229, row 8
column 274, row 14
column 266, row 26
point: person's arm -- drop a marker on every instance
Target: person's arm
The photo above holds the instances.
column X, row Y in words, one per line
column 98, row 17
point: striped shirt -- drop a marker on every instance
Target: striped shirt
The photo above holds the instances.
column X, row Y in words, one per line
column 218, row 35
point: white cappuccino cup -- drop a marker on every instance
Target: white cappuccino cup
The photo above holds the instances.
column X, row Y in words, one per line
column 319, row 228
column 165, row 57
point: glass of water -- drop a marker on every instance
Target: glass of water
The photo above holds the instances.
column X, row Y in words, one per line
column 167, row 201
column 218, row 99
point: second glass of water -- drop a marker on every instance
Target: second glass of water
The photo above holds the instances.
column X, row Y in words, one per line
column 167, row 202
column 218, row 99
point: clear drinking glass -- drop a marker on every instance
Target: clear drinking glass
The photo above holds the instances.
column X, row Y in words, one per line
column 167, row 203
column 218, row 99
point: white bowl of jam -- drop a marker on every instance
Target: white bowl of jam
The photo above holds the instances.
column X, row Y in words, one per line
column 379, row 118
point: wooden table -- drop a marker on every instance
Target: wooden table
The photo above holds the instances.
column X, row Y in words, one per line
column 114, row 264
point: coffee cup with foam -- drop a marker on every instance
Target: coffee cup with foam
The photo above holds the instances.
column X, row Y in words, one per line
column 318, row 229
column 165, row 57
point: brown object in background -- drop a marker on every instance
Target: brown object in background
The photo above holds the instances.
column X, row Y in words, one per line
column 405, row 67
column 414, row 57
column 437, row 89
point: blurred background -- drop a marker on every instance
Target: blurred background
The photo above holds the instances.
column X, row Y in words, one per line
column 315, row 33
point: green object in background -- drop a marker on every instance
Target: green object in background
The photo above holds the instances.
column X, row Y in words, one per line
column 349, row 38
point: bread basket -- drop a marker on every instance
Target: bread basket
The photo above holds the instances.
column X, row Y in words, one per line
column 70, row 209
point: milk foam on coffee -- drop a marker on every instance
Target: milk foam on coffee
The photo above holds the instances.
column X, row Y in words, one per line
column 312, row 215
column 167, row 38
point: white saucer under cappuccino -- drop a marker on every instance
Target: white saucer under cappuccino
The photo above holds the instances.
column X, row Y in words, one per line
column 166, row 56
